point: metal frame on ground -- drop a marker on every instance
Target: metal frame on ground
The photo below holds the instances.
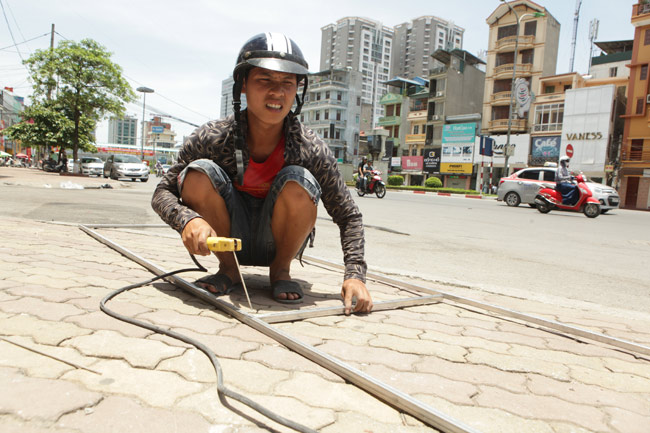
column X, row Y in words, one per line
column 385, row 392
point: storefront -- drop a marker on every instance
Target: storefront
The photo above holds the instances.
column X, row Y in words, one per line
column 456, row 163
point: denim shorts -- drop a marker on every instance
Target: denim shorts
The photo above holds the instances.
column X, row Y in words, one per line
column 250, row 217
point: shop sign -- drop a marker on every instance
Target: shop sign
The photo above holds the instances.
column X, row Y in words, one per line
column 456, row 167
column 412, row 163
column 432, row 160
column 546, row 147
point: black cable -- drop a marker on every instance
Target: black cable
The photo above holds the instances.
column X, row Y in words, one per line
column 221, row 389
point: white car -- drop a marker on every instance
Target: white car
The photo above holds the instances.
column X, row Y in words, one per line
column 126, row 166
column 92, row 166
column 522, row 187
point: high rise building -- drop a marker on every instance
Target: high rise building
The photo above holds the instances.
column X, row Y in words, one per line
column 415, row 41
column 333, row 108
column 365, row 46
column 226, row 98
column 122, row 130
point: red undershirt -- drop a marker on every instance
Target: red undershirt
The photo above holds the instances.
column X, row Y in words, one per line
column 259, row 175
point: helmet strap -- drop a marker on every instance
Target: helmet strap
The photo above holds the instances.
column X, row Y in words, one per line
column 301, row 100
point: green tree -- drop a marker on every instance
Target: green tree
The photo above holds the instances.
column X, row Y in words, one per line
column 47, row 124
column 83, row 83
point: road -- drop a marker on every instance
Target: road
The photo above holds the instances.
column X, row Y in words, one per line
column 480, row 244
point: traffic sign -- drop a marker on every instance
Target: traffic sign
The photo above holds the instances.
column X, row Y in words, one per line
column 569, row 150
column 157, row 129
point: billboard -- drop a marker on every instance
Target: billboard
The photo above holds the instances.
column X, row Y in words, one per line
column 431, row 160
column 546, row 147
column 458, row 142
column 412, row 163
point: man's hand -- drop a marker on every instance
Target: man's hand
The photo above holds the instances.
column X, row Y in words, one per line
column 195, row 236
column 353, row 288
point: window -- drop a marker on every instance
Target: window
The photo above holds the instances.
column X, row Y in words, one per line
column 318, row 115
column 337, row 134
column 327, row 94
column 644, row 72
column 327, row 114
column 530, row 28
column 338, row 114
column 390, row 109
column 396, row 131
column 567, row 87
column 416, row 129
column 548, row 117
column 613, row 72
column 398, row 110
column 527, row 56
column 549, row 175
column 529, row 174
column 639, row 105
column 318, row 96
column 505, row 58
column 636, row 149
column 339, row 96
column 646, row 39
column 506, row 31
column 549, row 89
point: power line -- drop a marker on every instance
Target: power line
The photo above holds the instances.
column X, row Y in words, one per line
column 24, row 42
column 11, row 32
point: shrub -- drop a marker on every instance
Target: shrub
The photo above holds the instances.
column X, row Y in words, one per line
column 433, row 182
column 395, row 180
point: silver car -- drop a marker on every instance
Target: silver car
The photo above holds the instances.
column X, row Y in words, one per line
column 129, row 166
column 523, row 185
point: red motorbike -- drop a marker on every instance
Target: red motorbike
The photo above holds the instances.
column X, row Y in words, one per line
column 548, row 198
column 374, row 185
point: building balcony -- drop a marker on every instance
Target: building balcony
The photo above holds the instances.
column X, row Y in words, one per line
column 501, row 98
column 508, row 43
column 417, row 115
column 389, row 120
column 635, row 157
column 327, row 83
column 436, row 94
column 438, row 71
column 415, row 138
column 325, row 123
column 640, row 14
column 435, row 118
column 505, row 71
column 501, row 125
column 547, row 127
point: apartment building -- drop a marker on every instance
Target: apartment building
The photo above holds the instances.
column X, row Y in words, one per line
column 523, row 43
column 613, row 59
column 123, row 130
column 414, row 41
column 333, row 110
column 364, row 46
column 635, row 156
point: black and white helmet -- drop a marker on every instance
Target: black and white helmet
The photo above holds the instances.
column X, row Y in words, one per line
column 273, row 51
column 565, row 159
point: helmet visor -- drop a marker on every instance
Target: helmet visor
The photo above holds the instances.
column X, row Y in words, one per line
column 280, row 65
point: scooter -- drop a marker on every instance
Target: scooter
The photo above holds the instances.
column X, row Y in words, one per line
column 51, row 165
column 374, row 185
column 548, row 199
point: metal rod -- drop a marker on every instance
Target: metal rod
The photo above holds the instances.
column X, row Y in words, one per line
column 551, row 324
column 56, row 358
column 387, row 393
column 289, row 316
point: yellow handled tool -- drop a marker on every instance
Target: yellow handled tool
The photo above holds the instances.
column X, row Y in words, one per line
column 221, row 244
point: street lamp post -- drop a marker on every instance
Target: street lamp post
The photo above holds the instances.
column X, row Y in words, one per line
column 506, row 149
column 144, row 91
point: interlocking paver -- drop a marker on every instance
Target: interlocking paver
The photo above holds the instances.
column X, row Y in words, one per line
column 121, row 414
column 44, row 396
column 137, row 352
column 39, row 308
column 493, row 374
column 43, row 331
column 155, row 388
column 421, row 347
column 541, row 407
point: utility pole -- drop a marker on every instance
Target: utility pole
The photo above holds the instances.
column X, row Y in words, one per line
column 49, row 86
column 575, row 34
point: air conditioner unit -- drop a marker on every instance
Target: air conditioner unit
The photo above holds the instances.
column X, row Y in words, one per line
column 436, row 117
column 647, row 99
column 440, row 93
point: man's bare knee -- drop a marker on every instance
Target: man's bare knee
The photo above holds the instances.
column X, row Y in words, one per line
column 197, row 187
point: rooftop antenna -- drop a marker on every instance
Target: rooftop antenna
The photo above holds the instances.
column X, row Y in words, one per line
column 593, row 34
column 575, row 33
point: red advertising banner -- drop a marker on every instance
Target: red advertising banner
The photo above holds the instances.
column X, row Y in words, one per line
column 413, row 163
column 108, row 149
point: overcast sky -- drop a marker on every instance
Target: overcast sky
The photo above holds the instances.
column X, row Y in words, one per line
column 184, row 49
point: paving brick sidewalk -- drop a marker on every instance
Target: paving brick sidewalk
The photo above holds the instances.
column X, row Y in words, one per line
column 493, row 374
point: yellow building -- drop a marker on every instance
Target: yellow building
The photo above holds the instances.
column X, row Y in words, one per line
column 528, row 29
column 635, row 156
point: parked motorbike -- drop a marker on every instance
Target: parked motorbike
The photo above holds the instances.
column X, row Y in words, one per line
column 50, row 165
column 548, row 199
column 374, row 185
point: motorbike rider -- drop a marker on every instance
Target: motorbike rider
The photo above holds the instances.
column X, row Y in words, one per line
column 158, row 169
column 564, row 184
column 364, row 169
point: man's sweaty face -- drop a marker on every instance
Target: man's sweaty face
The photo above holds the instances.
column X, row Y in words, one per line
column 270, row 94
